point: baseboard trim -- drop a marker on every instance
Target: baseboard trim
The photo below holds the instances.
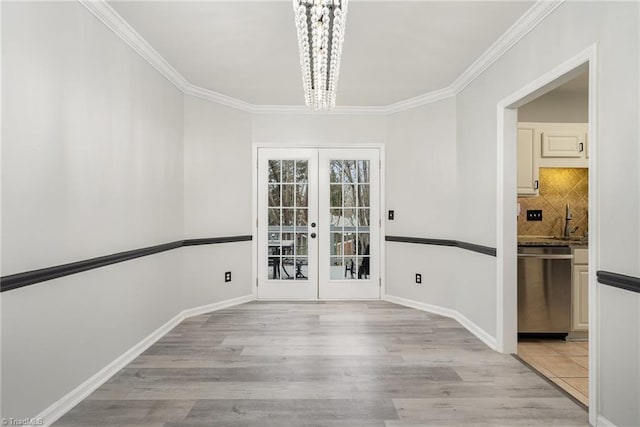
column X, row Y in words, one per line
column 75, row 396
column 56, row 410
column 476, row 330
column 603, row 422
column 216, row 306
column 430, row 308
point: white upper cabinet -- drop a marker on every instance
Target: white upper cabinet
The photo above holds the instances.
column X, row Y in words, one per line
column 527, row 162
column 562, row 144
column 555, row 145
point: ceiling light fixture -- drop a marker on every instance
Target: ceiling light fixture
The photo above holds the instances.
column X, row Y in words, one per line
column 320, row 25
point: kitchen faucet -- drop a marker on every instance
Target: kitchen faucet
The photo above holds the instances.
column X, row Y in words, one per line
column 567, row 227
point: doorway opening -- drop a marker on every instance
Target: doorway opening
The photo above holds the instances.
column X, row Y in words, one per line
column 547, row 234
column 318, row 223
column 552, row 231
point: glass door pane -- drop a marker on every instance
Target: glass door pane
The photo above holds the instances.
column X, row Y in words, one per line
column 318, row 223
column 349, row 246
column 349, row 215
column 287, row 196
column 288, row 206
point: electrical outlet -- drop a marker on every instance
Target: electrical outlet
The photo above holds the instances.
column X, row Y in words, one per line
column 227, row 276
column 534, row 214
column 392, row 215
column 418, row 278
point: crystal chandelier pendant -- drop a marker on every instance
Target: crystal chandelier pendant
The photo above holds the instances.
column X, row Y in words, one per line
column 320, row 25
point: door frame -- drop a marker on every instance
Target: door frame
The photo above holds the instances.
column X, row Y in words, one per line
column 254, row 198
column 298, row 289
column 506, row 208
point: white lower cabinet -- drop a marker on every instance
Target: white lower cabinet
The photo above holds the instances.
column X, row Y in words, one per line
column 580, row 291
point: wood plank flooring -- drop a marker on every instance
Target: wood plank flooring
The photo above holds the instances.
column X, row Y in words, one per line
column 369, row 363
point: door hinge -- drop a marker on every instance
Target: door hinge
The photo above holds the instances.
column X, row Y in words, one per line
column 380, row 222
column 380, row 281
column 256, row 282
column 379, row 164
column 256, row 222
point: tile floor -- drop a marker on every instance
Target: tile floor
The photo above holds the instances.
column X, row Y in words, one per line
column 563, row 362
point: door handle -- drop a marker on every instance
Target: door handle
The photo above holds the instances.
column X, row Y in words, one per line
column 313, row 235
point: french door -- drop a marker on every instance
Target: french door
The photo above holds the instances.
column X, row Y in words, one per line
column 318, row 223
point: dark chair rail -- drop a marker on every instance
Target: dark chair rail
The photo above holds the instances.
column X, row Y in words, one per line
column 19, row 280
column 629, row 283
column 487, row 250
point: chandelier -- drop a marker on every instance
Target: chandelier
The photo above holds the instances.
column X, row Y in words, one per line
column 320, row 25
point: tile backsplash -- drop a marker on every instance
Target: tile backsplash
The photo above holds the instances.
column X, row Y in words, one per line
column 558, row 186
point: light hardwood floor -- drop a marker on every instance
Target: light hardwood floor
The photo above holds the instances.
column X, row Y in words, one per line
column 364, row 364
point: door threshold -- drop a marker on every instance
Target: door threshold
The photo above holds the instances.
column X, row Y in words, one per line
column 548, row 380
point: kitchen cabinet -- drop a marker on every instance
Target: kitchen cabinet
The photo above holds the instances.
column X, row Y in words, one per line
column 554, row 145
column 580, row 291
column 527, row 162
column 562, row 144
column 586, row 146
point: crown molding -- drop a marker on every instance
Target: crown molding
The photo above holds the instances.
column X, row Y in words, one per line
column 105, row 13
column 527, row 22
column 427, row 98
column 218, row 98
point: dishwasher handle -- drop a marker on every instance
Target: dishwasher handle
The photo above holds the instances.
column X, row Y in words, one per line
column 545, row 256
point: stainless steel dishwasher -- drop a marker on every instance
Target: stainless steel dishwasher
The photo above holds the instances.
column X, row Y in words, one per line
column 544, row 289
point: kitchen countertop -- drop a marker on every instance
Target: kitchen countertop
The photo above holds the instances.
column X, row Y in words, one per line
column 573, row 242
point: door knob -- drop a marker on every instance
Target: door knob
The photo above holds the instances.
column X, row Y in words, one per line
column 313, row 235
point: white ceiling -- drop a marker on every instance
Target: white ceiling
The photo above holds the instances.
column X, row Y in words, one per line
column 393, row 50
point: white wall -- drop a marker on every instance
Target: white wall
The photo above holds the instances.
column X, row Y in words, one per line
column 568, row 30
column 557, row 107
column 420, row 161
column 421, row 189
column 217, row 201
column 91, row 165
column 319, row 129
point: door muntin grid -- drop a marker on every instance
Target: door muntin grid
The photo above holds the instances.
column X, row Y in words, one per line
column 350, row 219
column 288, row 213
